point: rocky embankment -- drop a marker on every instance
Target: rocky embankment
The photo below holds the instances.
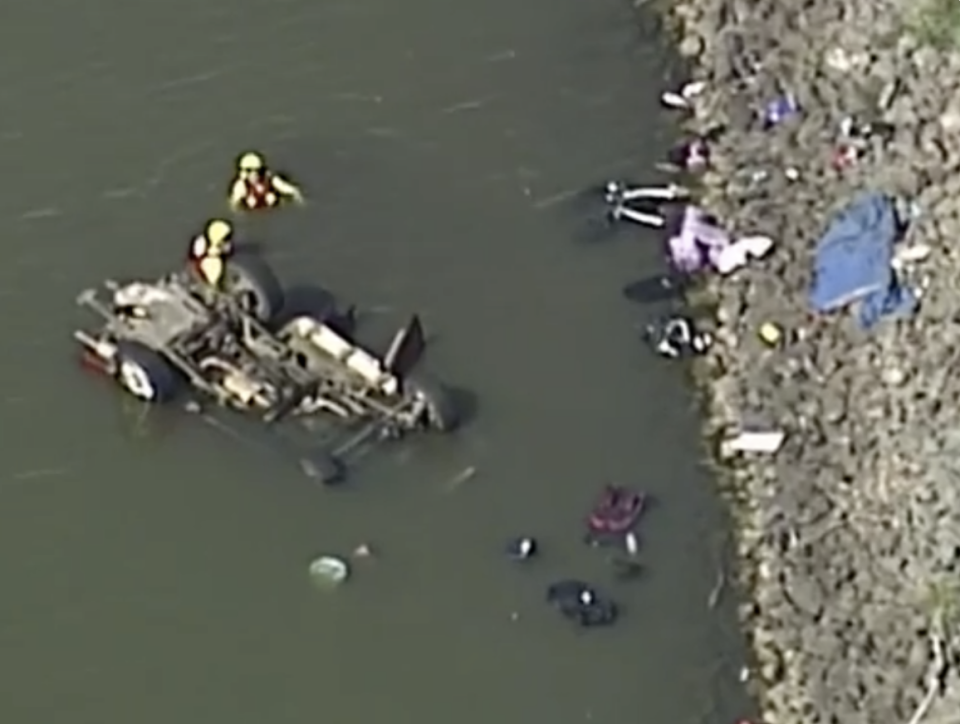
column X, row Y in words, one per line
column 851, row 533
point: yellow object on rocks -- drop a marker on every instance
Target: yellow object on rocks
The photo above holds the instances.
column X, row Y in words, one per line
column 770, row 333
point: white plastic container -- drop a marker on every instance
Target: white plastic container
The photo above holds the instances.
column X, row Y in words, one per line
column 753, row 442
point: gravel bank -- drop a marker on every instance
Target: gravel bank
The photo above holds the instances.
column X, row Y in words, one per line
column 851, row 534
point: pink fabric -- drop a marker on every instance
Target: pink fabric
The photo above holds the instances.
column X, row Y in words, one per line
column 698, row 243
column 697, row 154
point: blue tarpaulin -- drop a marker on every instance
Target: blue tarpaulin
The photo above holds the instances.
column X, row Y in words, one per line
column 854, row 262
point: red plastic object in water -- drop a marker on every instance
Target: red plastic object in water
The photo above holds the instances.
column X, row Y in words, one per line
column 617, row 511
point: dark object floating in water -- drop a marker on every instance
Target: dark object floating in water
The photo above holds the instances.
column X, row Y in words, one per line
column 581, row 604
column 677, row 336
column 322, row 467
column 655, row 289
column 522, row 548
column 626, row 570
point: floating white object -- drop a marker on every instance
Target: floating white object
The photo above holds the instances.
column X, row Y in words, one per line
column 329, row 570
column 753, row 442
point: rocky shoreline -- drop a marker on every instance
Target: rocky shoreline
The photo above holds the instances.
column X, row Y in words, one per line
column 850, row 535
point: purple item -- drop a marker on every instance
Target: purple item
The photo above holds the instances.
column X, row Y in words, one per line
column 698, row 155
column 690, row 156
column 697, row 242
column 779, row 110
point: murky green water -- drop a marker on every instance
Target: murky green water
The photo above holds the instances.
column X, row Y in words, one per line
column 153, row 570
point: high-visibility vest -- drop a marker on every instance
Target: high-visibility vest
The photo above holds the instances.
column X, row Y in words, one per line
column 211, row 269
column 201, row 248
column 259, row 190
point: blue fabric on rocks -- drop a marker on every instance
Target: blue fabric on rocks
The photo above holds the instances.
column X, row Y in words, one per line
column 853, row 262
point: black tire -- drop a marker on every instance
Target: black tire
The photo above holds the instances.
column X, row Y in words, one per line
column 252, row 282
column 145, row 374
column 442, row 412
column 323, row 467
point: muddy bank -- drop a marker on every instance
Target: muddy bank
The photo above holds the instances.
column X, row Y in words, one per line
column 851, row 533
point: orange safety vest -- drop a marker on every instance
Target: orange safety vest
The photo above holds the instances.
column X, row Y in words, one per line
column 260, row 193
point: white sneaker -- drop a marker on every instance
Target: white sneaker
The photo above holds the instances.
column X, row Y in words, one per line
column 693, row 89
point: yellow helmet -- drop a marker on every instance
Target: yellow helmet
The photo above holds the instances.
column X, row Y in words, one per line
column 250, row 162
column 218, row 231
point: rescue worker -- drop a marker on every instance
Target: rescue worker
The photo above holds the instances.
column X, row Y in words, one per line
column 257, row 187
column 209, row 251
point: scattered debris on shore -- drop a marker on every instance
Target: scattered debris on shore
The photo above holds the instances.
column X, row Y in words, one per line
column 855, row 518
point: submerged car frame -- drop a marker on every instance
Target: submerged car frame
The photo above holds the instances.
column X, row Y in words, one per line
column 228, row 345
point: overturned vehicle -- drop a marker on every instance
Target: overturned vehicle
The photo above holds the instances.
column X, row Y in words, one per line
column 230, row 346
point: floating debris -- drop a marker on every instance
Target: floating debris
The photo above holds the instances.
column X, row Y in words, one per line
column 460, row 478
column 522, row 548
column 329, row 571
column 363, row 551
